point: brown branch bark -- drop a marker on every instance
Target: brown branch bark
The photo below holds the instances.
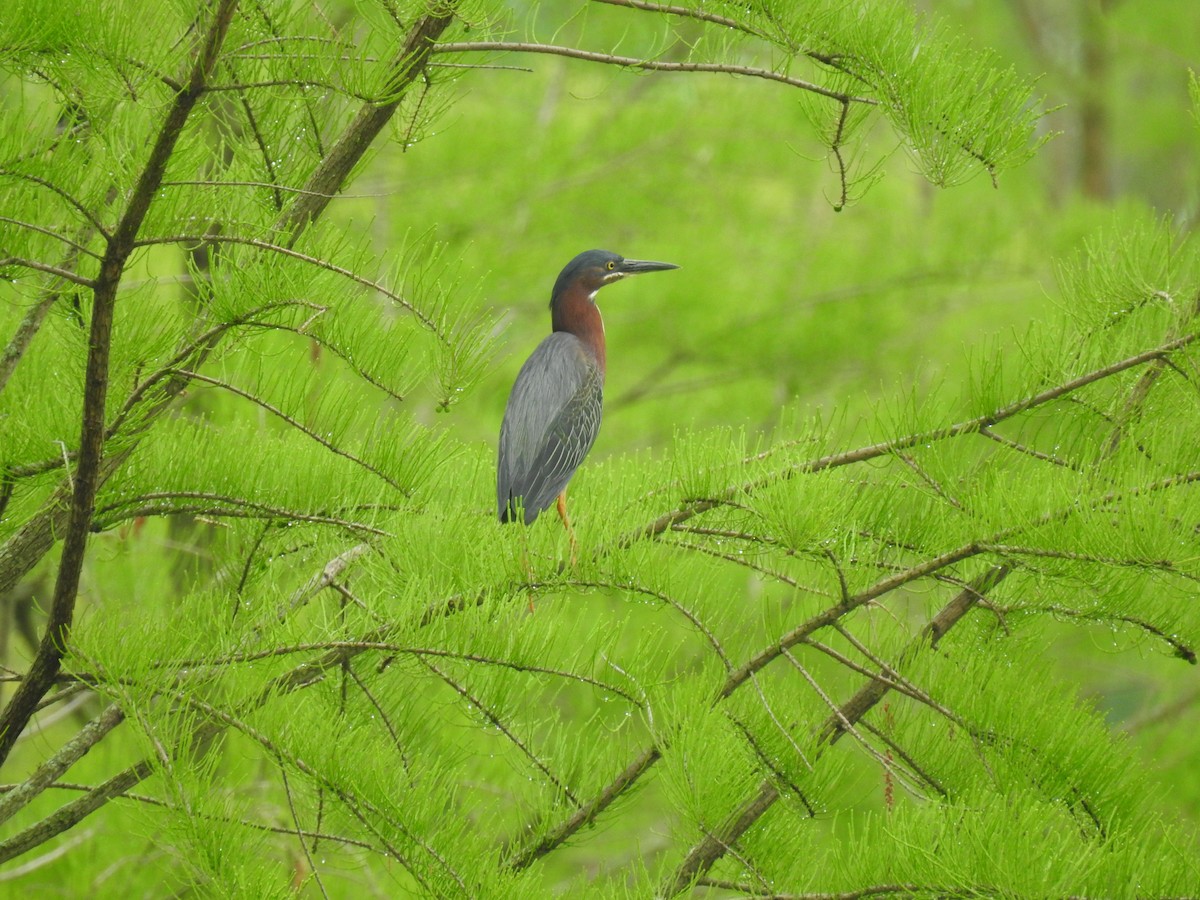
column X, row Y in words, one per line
column 702, row 857
column 29, row 545
column 587, row 813
column 408, row 64
column 650, row 65
column 69, row 754
column 86, row 479
column 885, row 448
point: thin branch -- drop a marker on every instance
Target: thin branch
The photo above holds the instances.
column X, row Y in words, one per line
column 298, row 831
column 689, row 13
column 907, row 758
column 896, row 445
column 494, row 718
column 383, row 714
column 1157, row 565
column 837, row 611
column 75, row 246
column 263, row 150
column 835, row 147
column 259, row 244
column 71, row 699
column 1028, row 451
column 289, row 83
column 667, row 599
column 888, row 764
column 56, row 271
column 1182, row 650
column 908, row 460
column 742, row 560
column 69, row 754
column 587, row 813
column 654, row 65
column 949, row 616
column 715, row 845
column 296, row 424
column 237, row 508
column 779, row 726
column 887, row 675
column 269, row 185
column 337, row 351
column 79, row 207
column 384, row 646
column 772, row 766
column 147, row 800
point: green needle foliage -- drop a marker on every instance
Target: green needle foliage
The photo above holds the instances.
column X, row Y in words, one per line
column 262, row 635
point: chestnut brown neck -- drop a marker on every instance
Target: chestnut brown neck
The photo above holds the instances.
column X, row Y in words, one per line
column 575, row 312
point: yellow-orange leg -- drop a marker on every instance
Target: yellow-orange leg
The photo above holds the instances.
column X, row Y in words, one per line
column 562, row 514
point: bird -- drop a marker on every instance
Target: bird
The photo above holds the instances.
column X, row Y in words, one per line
column 553, row 412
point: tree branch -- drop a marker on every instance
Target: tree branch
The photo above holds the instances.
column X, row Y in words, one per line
column 50, row 770
column 408, row 64
column 296, row 424
column 46, row 663
column 56, row 271
column 702, row 857
column 23, row 550
column 652, row 65
column 886, row 448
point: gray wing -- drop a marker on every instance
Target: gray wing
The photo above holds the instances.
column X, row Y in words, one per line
column 550, row 424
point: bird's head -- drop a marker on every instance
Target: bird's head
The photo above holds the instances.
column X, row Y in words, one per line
column 593, row 269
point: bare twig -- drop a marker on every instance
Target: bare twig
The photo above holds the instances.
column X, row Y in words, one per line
column 50, row 770
column 81, row 208
column 653, row 65
column 56, row 271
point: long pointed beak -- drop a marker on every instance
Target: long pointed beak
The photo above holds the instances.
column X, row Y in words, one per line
column 637, row 266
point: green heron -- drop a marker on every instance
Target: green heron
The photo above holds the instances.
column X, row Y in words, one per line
column 553, row 412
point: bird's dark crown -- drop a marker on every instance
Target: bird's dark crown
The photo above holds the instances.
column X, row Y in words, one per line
column 590, row 268
column 593, row 269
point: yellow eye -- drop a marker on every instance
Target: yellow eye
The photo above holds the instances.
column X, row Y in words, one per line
column 611, row 265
